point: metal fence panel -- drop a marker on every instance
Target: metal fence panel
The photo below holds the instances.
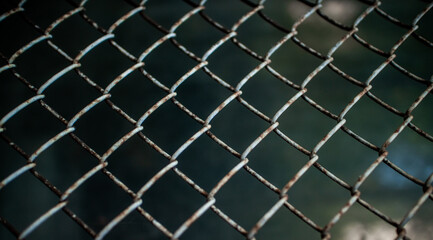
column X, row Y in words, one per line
column 210, row 119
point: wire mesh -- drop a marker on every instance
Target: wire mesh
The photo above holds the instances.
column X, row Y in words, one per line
column 31, row 87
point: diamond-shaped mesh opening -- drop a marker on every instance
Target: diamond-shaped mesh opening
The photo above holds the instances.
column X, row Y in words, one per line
column 344, row 60
column 138, row 28
column 412, row 154
column 166, row 17
column 218, row 230
column 169, row 141
column 258, row 35
column 206, row 168
column 406, row 16
column 266, row 93
column 11, row 83
column 189, row 34
column 135, row 163
column 230, row 63
column 65, row 157
column 311, row 33
column 216, row 11
column 304, row 116
column 294, row 63
column 101, row 122
column 16, row 39
column 285, row 13
column 43, row 14
column 108, row 63
column 379, row 128
column 401, row 91
column 275, row 160
column 285, row 224
column 41, row 56
column 419, row 68
column 13, row 160
column 216, row 119
column 320, row 203
column 135, row 226
column 61, row 226
column 168, row 194
column 31, row 135
column 238, row 205
column 75, row 91
column 381, row 33
column 136, row 94
column 106, row 13
column 237, row 126
column 167, row 64
column 358, row 222
column 385, row 184
column 344, row 12
column 346, row 168
column 201, row 94
column 332, row 91
column 92, row 192
column 74, row 25
column 31, row 193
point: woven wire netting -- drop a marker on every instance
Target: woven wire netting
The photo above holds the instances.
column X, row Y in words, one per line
column 216, row 119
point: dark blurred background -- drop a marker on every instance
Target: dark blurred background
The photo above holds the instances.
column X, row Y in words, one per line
column 244, row 199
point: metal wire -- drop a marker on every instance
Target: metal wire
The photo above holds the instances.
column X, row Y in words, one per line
column 138, row 64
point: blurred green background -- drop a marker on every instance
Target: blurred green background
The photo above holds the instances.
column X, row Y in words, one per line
column 244, row 199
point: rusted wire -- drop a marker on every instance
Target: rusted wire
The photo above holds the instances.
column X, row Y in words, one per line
column 169, row 36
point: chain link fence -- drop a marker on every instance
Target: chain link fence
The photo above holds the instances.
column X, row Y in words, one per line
column 216, row 119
